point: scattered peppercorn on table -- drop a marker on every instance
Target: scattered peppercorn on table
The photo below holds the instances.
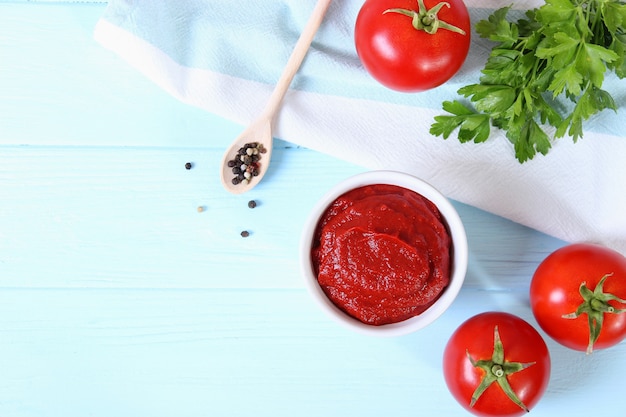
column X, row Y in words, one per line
column 132, row 284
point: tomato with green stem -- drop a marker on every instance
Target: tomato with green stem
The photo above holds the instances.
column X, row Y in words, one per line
column 412, row 45
column 496, row 364
column 578, row 296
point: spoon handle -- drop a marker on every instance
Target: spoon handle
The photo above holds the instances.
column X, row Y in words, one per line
column 296, row 58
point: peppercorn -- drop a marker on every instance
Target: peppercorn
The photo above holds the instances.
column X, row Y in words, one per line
column 251, row 204
column 188, row 165
column 245, row 233
column 245, row 164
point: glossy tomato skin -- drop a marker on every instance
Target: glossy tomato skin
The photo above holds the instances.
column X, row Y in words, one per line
column 521, row 342
column 403, row 58
column 554, row 292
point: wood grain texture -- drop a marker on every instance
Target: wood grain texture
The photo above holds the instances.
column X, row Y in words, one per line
column 119, row 298
column 204, row 352
column 118, row 212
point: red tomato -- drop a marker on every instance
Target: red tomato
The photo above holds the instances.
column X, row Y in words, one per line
column 496, row 364
column 556, row 296
column 405, row 58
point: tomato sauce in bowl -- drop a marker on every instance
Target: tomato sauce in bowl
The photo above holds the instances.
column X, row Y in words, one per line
column 384, row 252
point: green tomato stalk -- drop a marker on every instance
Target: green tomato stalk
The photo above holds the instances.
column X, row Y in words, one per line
column 496, row 370
column 595, row 304
column 427, row 20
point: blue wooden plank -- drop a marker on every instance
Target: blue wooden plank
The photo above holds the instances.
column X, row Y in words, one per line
column 192, row 353
column 43, row 2
column 61, row 88
column 127, row 217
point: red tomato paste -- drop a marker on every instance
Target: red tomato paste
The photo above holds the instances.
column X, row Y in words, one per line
column 382, row 253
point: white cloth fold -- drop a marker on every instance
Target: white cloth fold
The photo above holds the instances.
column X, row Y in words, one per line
column 224, row 57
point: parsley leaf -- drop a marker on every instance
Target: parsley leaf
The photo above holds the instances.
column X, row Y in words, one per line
column 558, row 52
column 472, row 126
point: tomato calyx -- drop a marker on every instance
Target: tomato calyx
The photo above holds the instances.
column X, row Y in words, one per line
column 595, row 304
column 497, row 369
column 427, row 20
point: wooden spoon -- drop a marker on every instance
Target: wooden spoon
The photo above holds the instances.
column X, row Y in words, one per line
column 260, row 131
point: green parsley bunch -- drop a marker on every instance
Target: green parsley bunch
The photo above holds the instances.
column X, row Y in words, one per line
column 560, row 50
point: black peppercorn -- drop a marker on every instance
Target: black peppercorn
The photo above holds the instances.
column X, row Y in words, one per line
column 251, row 204
column 188, row 165
column 245, row 164
column 245, row 233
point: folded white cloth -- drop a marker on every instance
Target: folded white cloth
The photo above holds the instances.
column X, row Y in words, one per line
column 225, row 57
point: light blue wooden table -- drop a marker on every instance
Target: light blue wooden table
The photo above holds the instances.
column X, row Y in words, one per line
column 119, row 298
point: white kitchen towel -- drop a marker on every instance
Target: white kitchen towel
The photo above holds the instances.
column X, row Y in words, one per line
column 225, row 56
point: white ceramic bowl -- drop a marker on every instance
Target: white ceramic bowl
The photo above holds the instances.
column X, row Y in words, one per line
column 458, row 256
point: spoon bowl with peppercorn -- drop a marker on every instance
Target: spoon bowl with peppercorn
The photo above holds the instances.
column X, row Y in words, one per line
column 246, row 161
